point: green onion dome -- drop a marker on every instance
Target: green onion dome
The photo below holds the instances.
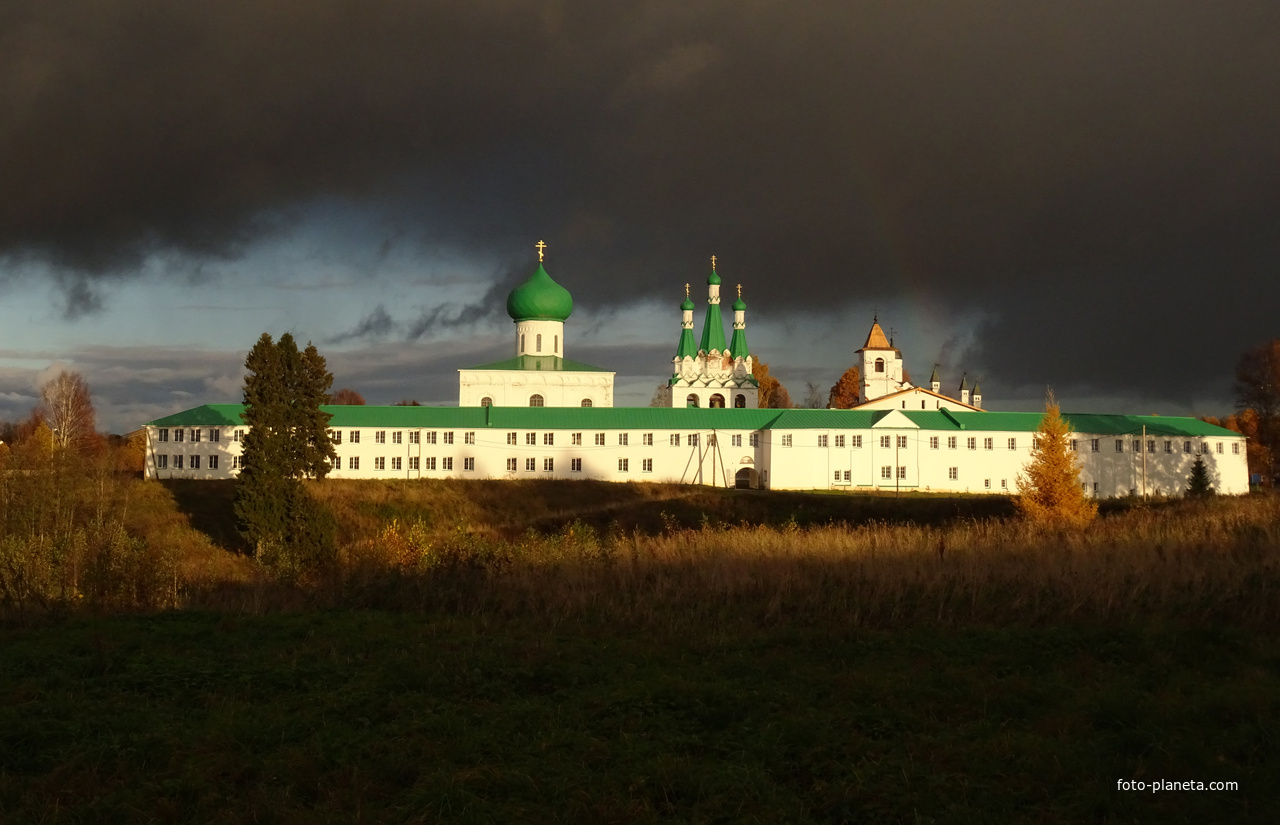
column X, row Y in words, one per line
column 713, row 278
column 687, row 306
column 739, row 305
column 539, row 299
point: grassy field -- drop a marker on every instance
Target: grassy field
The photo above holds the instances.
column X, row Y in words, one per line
column 579, row 652
column 352, row 716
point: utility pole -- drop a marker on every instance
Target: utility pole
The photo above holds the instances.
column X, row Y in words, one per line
column 1144, row 461
column 897, row 477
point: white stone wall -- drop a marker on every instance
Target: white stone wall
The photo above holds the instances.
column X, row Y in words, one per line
column 785, row 459
column 551, row 342
column 514, row 388
column 877, row 384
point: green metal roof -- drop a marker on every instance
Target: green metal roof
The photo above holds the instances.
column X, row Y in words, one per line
column 660, row 418
column 738, row 346
column 539, row 299
column 540, row 363
column 686, row 347
column 713, row 330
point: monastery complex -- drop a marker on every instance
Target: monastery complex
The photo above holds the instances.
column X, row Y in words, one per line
column 540, row 414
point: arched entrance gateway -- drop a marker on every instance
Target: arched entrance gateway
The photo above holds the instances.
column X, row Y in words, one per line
column 747, row 479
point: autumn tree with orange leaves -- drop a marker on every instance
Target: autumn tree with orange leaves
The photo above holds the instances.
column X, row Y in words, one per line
column 1050, row 491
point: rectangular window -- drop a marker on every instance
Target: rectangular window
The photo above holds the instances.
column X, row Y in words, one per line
column 1075, row 445
column 355, row 437
column 951, row 442
column 213, row 462
column 177, row 462
column 468, row 463
column 429, row 462
column 335, row 436
column 397, row 437
column 239, row 435
column 1151, row 445
column 933, row 442
column 180, row 433
column 599, row 439
column 902, row 442
column 1218, row 448
column 647, row 440
column 162, row 462
column 576, row 439
column 839, row 441
column 1013, row 444
column 1137, row 445
column 531, row 438
column 1095, row 488
column 415, row 437
column 430, row 437
column 397, row 463
column 511, row 438
column 511, row 465
column 1186, row 446
column 469, row 438
column 446, row 463
column 884, row 442
column 755, row 439
column 337, row 462
column 855, row 441
column 1095, row 444
column 195, row 435
column 1204, row 446
column 353, row 463
column 380, row 437
column 530, row 465
column 786, row 440
column 575, row 464
column 711, row 440
column 988, row 443
column 380, row 463
column 837, row 478
column 737, row 441
column 902, row 472
column 972, row 443
column 886, row 472
column 986, row 482
column 1004, row 484
column 953, row 473
column 675, row 439
column 623, row 465
column 822, row 441
column 548, row 465
column 1235, row 448
column 1119, row 445
column 1168, row 446
column 693, row 439
column 215, row 435
column 414, row 462
column 237, row 462
column 622, row 439
column 647, row 465
column 548, row 439
column 846, row 475
column 162, row 434
column 448, row 437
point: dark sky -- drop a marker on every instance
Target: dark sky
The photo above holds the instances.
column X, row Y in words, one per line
column 1098, row 182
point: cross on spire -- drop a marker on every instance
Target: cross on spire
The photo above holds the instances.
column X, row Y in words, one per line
column 739, row 290
column 686, row 290
column 713, row 263
column 541, row 245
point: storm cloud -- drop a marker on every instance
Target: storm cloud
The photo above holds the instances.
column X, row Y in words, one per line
column 1098, row 181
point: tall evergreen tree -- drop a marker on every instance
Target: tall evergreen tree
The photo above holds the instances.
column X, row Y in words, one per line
column 287, row 440
column 1050, row 490
column 1198, row 485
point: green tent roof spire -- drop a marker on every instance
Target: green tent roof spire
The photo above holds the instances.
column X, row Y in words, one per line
column 687, row 346
column 738, row 346
column 713, row 325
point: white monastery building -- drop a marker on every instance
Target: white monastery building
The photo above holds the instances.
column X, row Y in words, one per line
column 541, row 415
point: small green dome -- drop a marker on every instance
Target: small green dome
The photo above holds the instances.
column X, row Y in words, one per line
column 739, row 305
column 713, row 278
column 687, row 306
column 539, row 299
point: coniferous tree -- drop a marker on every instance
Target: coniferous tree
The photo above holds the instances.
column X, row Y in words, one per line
column 1050, row 490
column 1198, row 482
column 287, row 440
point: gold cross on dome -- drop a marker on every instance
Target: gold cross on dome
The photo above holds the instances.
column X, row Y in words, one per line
column 541, row 246
column 739, row 290
column 686, row 290
column 713, row 262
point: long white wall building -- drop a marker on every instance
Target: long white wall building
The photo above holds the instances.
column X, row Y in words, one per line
column 925, row 450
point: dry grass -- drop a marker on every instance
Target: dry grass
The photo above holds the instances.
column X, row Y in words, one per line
column 1185, row 561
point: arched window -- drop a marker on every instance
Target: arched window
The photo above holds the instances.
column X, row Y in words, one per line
column 556, row 351
column 522, row 343
column 879, row 365
column 538, row 342
column 739, row 402
column 586, row 402
column 535, row 400
column 486, row 401
column 692, row 400
column 716, row 402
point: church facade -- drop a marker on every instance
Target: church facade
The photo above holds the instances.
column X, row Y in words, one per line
column 539, row 415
